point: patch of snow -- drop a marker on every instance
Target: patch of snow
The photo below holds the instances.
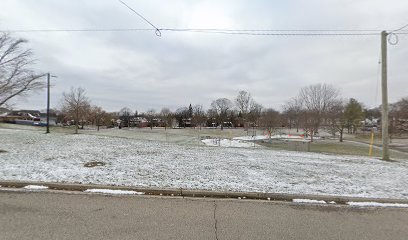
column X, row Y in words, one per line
column 332, row 202
column 142, row 163
column 114, row 192
column 266, row 137
column 377, row 204
column 229, row 143
column 309, row 201
column 251, row 138
column 35, row 187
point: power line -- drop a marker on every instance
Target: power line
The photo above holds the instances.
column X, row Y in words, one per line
column 77, row 30
column 253, row 32
column 158, row 33
column 393, row 37
column 399, row 29
column 274, row 33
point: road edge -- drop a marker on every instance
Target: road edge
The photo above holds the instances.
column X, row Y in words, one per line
column 201, row 193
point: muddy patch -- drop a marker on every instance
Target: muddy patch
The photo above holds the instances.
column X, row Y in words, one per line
column 94, row 164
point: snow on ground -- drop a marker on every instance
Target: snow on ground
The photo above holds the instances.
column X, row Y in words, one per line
column 114, row 192
column 265, row 137
column 248, row 141
column 228, row 143
column 35, row 156
column 309, row 201
column 376, row 204
column 285, row 137
column 35, row 187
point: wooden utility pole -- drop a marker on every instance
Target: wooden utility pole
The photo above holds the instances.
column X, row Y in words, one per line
column 384, row 112
column 48, row 103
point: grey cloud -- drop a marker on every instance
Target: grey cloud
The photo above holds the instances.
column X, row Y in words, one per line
column 142, row 71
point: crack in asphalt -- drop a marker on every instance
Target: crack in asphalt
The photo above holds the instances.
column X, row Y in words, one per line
column 215, row 222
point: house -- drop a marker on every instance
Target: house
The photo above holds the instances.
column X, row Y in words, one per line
column 53, row 118
column 26, row 114
column 29, row 117
column 3, row 112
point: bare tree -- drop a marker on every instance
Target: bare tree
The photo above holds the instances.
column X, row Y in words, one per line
column 98, row 116
column 150, row 115
column 199, row 116
column 75, row 105
column 293, row 109
column 125, row 114
column 243, row 102
column 16, row 77
column 254, row 113
column 399, row 115
column 317, row 100
column 270, row 119
column 165, row 113
column 221, row 107
column 337, row 118
column 181, row 116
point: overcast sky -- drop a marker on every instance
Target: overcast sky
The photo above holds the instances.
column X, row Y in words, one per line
column 141, row 71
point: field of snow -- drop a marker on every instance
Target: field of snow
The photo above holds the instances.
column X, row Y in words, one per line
column 33, row 155
column 229, row 143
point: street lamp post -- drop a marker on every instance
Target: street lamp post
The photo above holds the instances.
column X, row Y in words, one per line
column 48, row 102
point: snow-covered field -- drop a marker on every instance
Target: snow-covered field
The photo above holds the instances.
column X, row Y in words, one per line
column 32, row 155
column 229, row 143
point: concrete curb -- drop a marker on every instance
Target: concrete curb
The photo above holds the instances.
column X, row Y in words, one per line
column 201, row 193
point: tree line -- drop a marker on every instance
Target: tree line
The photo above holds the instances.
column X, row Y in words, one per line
column 314, row 106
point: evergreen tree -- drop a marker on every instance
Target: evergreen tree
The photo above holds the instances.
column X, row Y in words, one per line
column 190, row 111
column 353, row 115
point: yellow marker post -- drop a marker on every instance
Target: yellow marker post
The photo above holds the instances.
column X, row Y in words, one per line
column 370, row 151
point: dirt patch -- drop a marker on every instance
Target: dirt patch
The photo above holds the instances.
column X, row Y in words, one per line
column 2, row 151
column 94, row 164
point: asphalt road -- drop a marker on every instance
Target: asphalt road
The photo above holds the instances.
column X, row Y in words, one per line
column 49, row 215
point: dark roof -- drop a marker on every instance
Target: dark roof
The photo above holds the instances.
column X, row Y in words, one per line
column 32, row 112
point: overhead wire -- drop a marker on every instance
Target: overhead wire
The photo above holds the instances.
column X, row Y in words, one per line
column 272, row 32
column 254, row 32
column 249, row 32
column 399, row 29
column 393, row 37
column 157, row 32
column 77, row 30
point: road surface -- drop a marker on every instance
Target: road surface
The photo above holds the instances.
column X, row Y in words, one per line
column 51, row 215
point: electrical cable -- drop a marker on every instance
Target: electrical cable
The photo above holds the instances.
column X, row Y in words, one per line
column 79, row 30
column 399, row 29
column 157, row 32
column 211, row 31
column 393, row 37
column 253, row 32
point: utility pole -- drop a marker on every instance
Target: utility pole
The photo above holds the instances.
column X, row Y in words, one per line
column 48, row 103
column 384, row 90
